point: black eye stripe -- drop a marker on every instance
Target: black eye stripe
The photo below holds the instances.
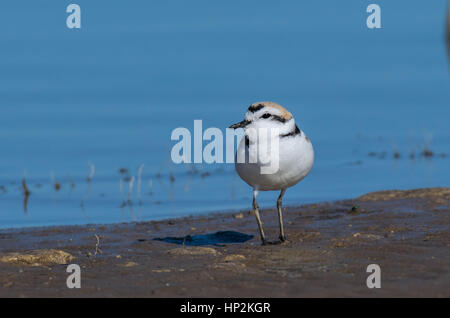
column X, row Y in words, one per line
column 274, row 117
column 278, row 118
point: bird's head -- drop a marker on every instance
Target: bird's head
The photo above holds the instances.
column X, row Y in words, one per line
column 267, row 115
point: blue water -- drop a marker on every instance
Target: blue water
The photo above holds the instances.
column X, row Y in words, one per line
column 111, row 93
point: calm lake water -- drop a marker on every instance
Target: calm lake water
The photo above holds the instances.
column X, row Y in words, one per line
column 109, row 95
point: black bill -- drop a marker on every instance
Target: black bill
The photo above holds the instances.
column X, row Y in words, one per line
column 241, row 124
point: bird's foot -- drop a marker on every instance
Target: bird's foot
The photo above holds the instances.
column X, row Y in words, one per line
column 282, row 238
column 265, row 242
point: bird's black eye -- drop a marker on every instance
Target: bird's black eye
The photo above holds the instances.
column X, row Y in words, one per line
column 265, row 116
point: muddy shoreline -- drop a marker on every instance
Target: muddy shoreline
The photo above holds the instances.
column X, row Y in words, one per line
column 330, row 245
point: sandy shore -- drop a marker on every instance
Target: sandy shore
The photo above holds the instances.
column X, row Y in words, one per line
column 330, row 245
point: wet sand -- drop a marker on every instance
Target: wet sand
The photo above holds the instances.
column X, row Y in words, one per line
column 330, row 245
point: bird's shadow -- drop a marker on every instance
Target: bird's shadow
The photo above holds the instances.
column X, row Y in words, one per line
column 217, row 238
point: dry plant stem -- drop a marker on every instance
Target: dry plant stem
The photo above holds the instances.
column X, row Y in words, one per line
column 97, row 248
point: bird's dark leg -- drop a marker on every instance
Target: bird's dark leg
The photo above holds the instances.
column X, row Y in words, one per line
column 258, row 219
column 280, row 217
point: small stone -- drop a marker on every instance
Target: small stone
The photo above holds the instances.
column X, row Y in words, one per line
column 162, row 270
column 38, row 258
column 196, row 250
column 130, row 264
column 234, row 257
column 8, row 284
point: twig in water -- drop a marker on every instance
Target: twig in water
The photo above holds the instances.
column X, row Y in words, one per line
column 171, row 176
column 121, row 189
column 55, row 183
column 427, row 152
column 26, row 194
column 91, row 174
column 26, row 191
column 130, row 190
column 150, row 185
column 396, row 153
column 141, row 167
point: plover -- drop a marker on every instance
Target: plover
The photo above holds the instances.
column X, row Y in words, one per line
column 288, row 144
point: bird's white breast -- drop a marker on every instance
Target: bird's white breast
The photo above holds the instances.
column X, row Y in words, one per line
column 296, row 158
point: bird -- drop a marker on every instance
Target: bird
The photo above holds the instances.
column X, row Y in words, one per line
column 289, row 145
